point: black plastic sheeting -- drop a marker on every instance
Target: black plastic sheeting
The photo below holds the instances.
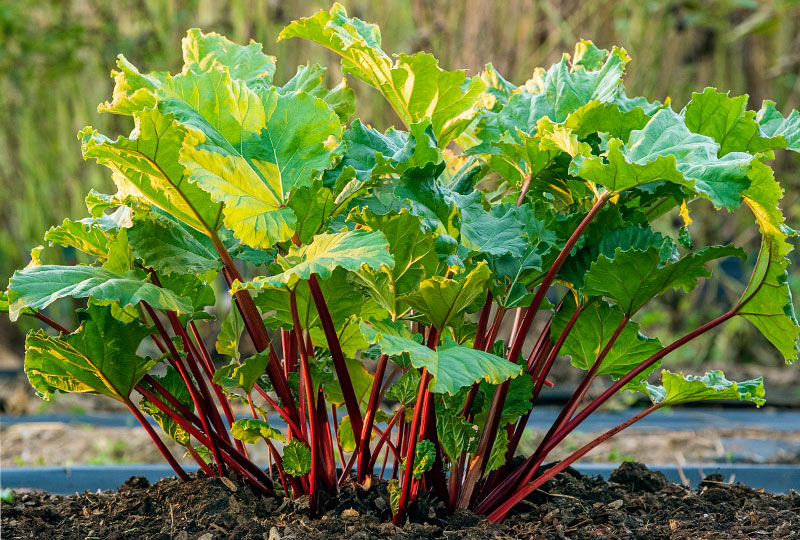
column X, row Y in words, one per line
column 66, row 480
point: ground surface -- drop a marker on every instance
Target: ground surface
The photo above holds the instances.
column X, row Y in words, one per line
column 56, row 443
column 634, row 504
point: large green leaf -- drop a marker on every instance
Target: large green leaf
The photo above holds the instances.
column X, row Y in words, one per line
column 599, row 117
column 497, row 231
column 665, row 149
column 207, row 52
column 679, row 388
column 415, row 86
column 254, row 214
column 39, row 286
column 349, row 250
column 256, row 147
column 773, row 124
column 625, row 238
column 767, row 300
column 451, row 366
column 728, row 122
column 411, row 247
column 564, row 89
column 86, row 237
column 441, row 299
column 146, row 167
column 593, row 330
column 166, row 246
column 308, row 78
column 100, row 357
column 632, row 277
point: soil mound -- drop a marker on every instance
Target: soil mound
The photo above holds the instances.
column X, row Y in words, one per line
column 635, row 503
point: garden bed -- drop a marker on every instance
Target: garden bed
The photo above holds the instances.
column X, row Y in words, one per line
column 634, row 503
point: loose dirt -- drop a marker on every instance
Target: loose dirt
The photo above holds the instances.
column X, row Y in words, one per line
column 634, row 504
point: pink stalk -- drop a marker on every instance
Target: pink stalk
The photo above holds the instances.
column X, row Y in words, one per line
column 208, row 366
column 339, row 363
column 525, row 472
column 157, row 440
column 243, row 466
column 199, row 404
column 309, row 392
column 258, row 333
column 502, row 510
column 50, row 322
column 477, row 467
column 412, row 447
column 369, row 419
column 192, row 356
column 339, row 450
column 326, row 445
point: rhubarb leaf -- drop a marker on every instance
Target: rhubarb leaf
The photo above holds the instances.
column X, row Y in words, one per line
column 406, row 388
column 251, row 160
column 767, row 302
column 359, row 377
column 340, row 98
column 593, row 330
column 728, row 122
column 665, row 149
column 451, row 366
column 773, row 124
column 39, row 286
column 349, row 250
column 424, row 458
column 411, row 246
column 679, row 388
column 207, row 52
column 86, row 237
column 415, row 86
column 146, row 167
column 166, row 246
column 296, row 458
column 252, row 430
column 100, row 357
column 243, row 374
column 230, row 333
column 562, row 90
column 441, row 299
column 456, row 435
column 632, row 277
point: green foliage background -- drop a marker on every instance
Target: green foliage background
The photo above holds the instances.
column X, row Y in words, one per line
column 55, row 58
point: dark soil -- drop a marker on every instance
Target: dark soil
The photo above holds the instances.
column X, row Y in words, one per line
column 636, row 503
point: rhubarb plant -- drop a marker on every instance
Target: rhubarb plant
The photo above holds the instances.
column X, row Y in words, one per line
column 372, row 272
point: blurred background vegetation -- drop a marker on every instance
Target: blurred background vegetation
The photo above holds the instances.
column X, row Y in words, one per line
column 55, row 58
